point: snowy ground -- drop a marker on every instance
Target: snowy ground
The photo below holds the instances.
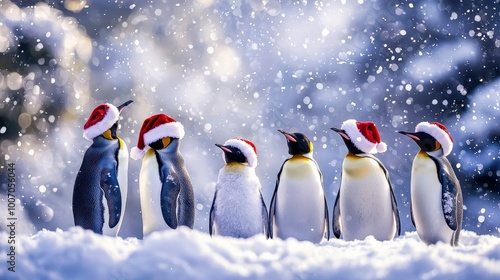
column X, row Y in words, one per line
column 186, row 254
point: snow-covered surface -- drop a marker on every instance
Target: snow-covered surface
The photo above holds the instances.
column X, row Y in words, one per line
column 184, row 254
column 237, row 68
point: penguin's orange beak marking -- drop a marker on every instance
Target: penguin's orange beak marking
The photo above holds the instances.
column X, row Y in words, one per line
column 290, row 138
column 344, row 135
column 410, row 135
column 341, row 133
column 413, row 137
column 287, row 135
column 224, row 148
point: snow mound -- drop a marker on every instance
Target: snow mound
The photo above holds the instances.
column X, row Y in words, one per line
column 187, row 254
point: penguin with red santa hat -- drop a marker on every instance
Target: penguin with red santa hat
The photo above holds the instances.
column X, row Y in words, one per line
column 100, row 190
column 165, row 189
column 238, row 209
column 365, row 203
column 436, row 197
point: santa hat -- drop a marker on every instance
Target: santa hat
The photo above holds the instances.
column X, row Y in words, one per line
column 246, row 147
column 101, row 119
column 365, row 136
column 155, row 128
column 439, row 132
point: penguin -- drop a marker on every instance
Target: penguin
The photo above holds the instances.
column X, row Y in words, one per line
column 238, row 209
column 365, row 204
column 100, row 190
column 436, row 204
column 165, row 188
column 298, row 206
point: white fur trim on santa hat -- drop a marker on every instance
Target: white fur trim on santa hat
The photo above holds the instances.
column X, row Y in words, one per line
column 171, row 129
column 245, row 148
column 360, row 141
column 112, row 116
column 136, row 153
column 440, row 135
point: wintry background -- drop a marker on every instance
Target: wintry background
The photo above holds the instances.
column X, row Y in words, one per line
column 244, row 68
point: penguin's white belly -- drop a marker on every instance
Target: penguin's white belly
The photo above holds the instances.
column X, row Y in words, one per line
column 122, row 177
column 149, row 192
column 300, row 203
column 238, row 204
column 365, row 201
column 426, row 199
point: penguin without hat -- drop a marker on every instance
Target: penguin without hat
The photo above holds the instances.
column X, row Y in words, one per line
column 100, row 190
column 298, row 207
column 365, row 203
column 238, row 208
column 165, row 189
column 436, row 197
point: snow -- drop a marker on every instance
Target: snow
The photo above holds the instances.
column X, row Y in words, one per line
column 228, row 69
column 191, row 254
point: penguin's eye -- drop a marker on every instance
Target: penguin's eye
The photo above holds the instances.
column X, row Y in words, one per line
column 107, row 134
column 166, row 141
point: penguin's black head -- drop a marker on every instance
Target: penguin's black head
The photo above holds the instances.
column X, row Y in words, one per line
column 425, row 141
column 298, row 143
column 348, row 142
column 162, row 143
column 232, row 154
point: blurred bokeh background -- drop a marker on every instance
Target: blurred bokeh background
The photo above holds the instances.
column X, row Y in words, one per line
column 244, row 68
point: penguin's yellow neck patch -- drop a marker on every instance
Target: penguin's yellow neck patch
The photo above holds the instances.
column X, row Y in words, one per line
column 298, row 157
column 166, row 141
column 438, row 146
column 235, row 166
column 149, row 152
column 120, row 141
column 423, row 154
column 351, row 156
column 107, row 134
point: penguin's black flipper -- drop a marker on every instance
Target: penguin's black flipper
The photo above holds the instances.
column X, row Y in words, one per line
column 450, row 193
column 265, row 216
column 395, row 210
column 327, row 221
column 272, row 206
column 336, row 216
column 112, row 193
column 88, row 211
column 211, row 216
column 411, row 214
column 168, row 197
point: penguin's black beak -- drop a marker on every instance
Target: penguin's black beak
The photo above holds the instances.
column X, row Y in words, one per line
column 411, row 135
column 342, row 133
column 121, row 107
column 288, row 135
column 224, row 148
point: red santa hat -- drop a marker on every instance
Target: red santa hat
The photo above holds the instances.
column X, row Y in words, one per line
column 439, row 132
column 365, row 136
column 101, row 119
column 246, row 147
column 155, row 128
